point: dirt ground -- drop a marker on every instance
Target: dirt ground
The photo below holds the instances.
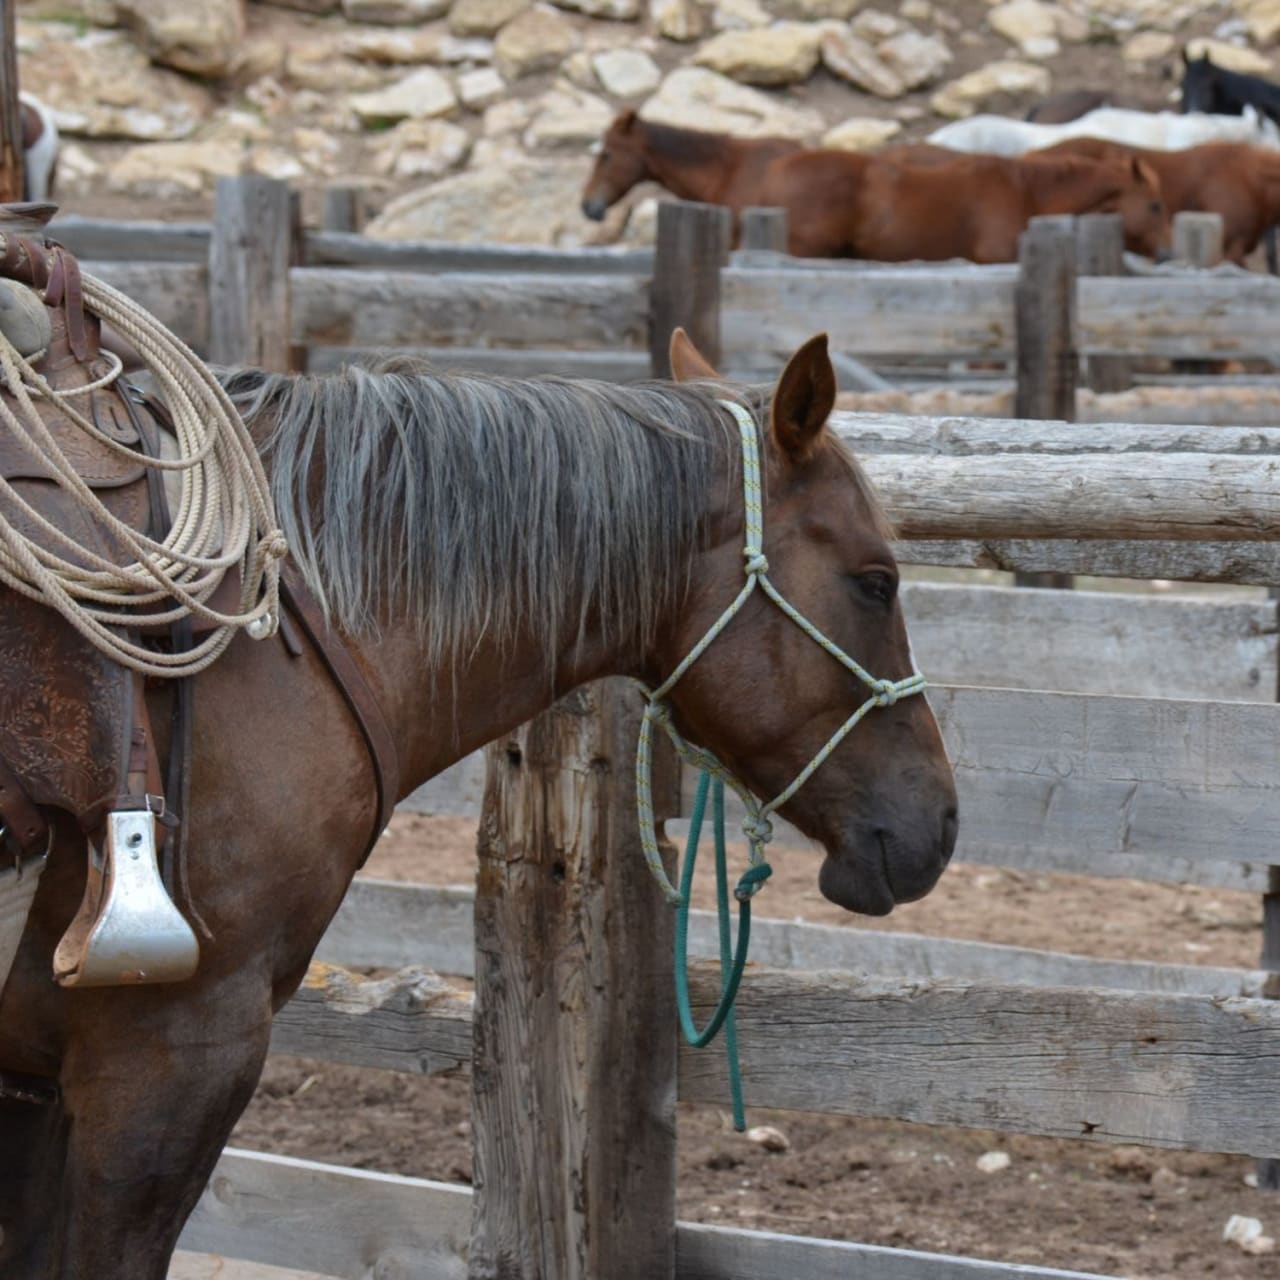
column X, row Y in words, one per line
column 1140, row 1214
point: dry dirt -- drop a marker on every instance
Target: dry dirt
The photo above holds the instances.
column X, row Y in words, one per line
column 1143, row 1214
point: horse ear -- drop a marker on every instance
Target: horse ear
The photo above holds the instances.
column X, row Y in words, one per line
column 1186, row 57
column 804, row 398
column 626, row 120
column 687, row 362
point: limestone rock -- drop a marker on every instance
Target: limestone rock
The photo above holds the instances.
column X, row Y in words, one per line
column 626, row 73
column 1263, row 18
column 613, row 10
column 567, row 118
column 783, row 54
column 419, row 96
column 814, row 10
column 320, row 65
column 538, row 40
column 966, row 95
column 915, row 59
column 175, row 168
column 483, row 17
column 1040, row 47
column 1022, row 20
column 853, row 59
column 480, row 88
column 876, row 25
column 1163, row 15
column 200, row 38
column 522, row 202
column 1147, row 46
column 507, row 117
column 306, row 6
column 579, row 70
column 421, row 149
column 1233, row 57
column 696, row 98
column 681, row 20
column 861, row 133
column 394, row 13
column 414, row 48
column 739, row 15
column 275, row 162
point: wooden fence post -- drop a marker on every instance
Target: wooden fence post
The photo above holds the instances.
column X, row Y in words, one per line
column 764, row 229
column 11, row 177
column 1197, row 238
column 574, row 1060
column 693, row 243
column 343, row 210
column 250, row 254
column 1048, row 353
column 1100, row 252
column 1269, row 1170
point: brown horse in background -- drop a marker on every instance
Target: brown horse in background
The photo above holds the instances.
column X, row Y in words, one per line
column 1239, row 181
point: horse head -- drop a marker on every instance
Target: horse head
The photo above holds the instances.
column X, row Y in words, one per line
column 620, row 164
column 1200, row 86
column 1138, row 199
column 768, row 700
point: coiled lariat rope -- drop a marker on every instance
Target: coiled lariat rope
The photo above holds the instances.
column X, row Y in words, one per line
column 758, row 825
column 225, row 520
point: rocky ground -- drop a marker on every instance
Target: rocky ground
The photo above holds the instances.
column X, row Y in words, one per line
column 473, row 119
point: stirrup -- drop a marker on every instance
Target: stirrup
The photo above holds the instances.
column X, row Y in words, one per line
column 127, row 930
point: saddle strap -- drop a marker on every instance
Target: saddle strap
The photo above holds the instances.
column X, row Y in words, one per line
column 357, row 692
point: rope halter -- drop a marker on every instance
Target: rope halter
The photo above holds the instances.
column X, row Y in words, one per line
column 757, row 827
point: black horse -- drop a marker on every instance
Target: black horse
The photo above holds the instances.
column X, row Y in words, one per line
column 1217, row 91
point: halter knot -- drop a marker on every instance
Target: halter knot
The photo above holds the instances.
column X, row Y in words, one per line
column 659, row 712
column 886, row 694
column 751, row 880
column 757, row 563
column 757, row 830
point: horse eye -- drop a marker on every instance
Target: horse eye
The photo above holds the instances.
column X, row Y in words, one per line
column 1155, row 206
column 878, row 586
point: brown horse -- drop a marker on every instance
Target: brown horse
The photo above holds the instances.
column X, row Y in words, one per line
column 1238, row 181
column 916, row 203
column 482, row 546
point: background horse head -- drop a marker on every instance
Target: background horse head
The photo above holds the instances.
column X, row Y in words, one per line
column 1215, row 90
column 482, row 545
column 40, row 148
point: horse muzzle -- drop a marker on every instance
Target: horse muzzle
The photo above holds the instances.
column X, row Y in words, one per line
column 594, row 208
column 876, row 868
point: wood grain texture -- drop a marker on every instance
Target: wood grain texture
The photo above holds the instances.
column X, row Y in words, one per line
column 1044, row 316
column 692, row 244
column 1100, row 252
column 177, row 294
column 370, row 308
column 137, row 242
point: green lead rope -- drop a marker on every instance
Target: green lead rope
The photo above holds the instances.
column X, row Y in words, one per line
column 732, row 960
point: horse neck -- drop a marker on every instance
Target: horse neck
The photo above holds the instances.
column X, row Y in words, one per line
column 691, row 165
column 1069, row 187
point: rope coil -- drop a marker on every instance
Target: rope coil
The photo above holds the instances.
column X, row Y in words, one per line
column 225, row 519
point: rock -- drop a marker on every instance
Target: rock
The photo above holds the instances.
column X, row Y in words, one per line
column 580, row 71
column 966, row 95
column 395, row 13
column 321, row 66
column 567, row 118
column 413, row 48
column 916, row 60
column 1262, row 17
column 240, row 127
column 306, row 6
column 317, row 149
column 916, row 11
column 165, row 169
column 510, row 116
column 874, row 25
column 626, row 73
column 682, row 20
column 613, row 10
column 641, row 229
column 76, row 167
column 419, row 96
column 538, row 40
column 1147, row 46
column 274, row 162
column 1231, row 56
column 861, row 133
column 201, row 38
column 421, row 149
column 483, row 17
column 739, row 15
column 479, row 89
column 814, row 10
column 853, row 59
column 993, row 1162
column 786, row 53
column 771, row 1139
column 696, row 98
column 1164, row 15
column 1041, row 47
column 523, row 202
column 1022, row 20
column 1131, row 1160
column 1246, row 1234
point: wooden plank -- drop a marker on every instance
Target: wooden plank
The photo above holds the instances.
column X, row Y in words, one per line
column 177, row 294
column 277, row 1210
column 1100, row 252
column 605, row 366
column 874, row 313
column 1097, row 642
column 1200, row 318
column 573, row 1128
column 1133, row 495
column 351, row 1223
column 343, row 249
column 135, row 242
column 764, row 230
column 343, row 210
column 249, row 257
column 1167, row 1071
column 395, row 925
column 693, row 241
column 11, row 154
column 367, row 308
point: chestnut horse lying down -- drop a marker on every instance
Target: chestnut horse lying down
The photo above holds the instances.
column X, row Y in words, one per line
column 1240, row 182
column 842, row 204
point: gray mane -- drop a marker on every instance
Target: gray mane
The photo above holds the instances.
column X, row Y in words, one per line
column 478, row 506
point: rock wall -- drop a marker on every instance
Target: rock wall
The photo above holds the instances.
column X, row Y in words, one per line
column 475, row 119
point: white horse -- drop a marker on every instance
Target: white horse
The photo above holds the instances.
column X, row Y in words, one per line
column 1158, row 130
column 39, row 148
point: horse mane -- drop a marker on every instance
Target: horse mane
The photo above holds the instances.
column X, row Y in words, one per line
column 477, row 506
column 694, row 146
column 1236, row 89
